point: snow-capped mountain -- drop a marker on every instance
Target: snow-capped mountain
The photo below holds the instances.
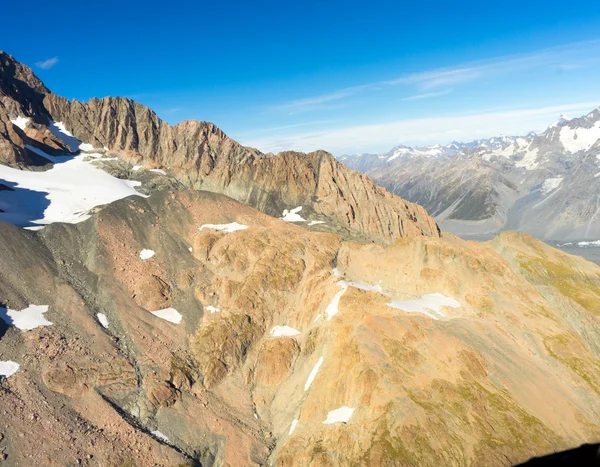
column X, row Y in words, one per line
column 547, row 184
column 436, row 151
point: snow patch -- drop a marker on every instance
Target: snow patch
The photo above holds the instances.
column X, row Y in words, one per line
column 190, row 249
column 21, row 122
column 135, row 168
column 292, row 215
column 315, row 223
column 597, row 175
column 168, row 314
column 431, row 302
column 161, row 436
column 158, row 171
column 333, row 308
column 293, row 426
column 234, row 226
column 406, row 152
column 8, row 368
column 103, row 319
column 313, row 373
column 146, row 254
column 87, row 147
column 529, row 160
column 281, row 331
column 429, row 305
column 551, row 184
column 579, row 139
column 341, row 415
column 65, row 193
column 59, row 130
column 593, row 243
column 26, row 319
column 212, row 309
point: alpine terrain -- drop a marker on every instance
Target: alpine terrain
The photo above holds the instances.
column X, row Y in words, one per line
column 169, row 297
column 546, row 184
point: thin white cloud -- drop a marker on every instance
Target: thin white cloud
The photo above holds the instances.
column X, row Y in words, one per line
column 442, row 129
column 563, row 58
column 283, row 127
column 47, row 64
column 427, row 95
column 437, row 78
column 316, row 102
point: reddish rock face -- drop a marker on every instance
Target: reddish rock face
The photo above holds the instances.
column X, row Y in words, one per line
column 12, row 150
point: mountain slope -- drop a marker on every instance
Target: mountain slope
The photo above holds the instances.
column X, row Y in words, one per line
column 238, row 351
column 546, row 184
column 201, row 156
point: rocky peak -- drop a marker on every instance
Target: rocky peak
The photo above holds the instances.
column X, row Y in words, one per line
column 21, row 91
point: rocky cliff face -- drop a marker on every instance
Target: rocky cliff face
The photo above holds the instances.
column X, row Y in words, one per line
column 21, row 92
column 200, row 155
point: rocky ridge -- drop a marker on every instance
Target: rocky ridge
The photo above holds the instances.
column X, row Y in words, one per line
column 201, row 156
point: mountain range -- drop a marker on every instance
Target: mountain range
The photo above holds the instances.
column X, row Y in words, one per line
column 169, row 297
column 546, row 184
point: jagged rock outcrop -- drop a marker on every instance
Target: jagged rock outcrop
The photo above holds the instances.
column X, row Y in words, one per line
column 12, row 147
column 21, row 92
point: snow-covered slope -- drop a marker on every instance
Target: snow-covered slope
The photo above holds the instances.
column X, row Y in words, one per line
column 64, row 193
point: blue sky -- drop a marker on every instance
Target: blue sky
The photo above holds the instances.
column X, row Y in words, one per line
column 342, row 76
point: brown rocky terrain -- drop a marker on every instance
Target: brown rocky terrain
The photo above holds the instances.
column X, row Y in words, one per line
column 509, row 374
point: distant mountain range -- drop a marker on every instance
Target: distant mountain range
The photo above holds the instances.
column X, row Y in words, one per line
column 546, row 184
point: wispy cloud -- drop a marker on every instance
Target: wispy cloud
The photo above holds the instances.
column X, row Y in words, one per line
column 442, row 129
column 427, row 95
column 564, row 58
column 47, row 64
column 283, row 127
column 317, row 102
column 437, row 78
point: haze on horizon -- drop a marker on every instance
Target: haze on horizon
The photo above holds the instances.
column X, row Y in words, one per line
column 340, row 76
